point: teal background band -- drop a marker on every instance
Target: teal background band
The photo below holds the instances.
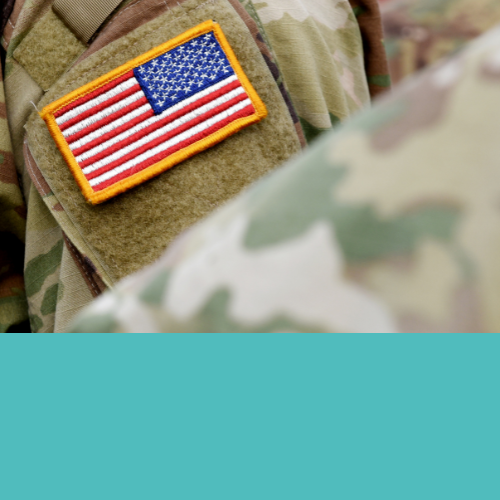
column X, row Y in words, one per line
column 279, row 416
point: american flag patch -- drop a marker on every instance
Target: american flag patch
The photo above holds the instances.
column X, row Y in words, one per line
column 153, row 112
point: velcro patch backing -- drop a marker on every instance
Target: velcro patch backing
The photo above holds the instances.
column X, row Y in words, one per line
column 153, row 112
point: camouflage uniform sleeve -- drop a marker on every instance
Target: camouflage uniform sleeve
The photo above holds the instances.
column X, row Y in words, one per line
column 319, row 49
column 390, row 223
column 420, row 32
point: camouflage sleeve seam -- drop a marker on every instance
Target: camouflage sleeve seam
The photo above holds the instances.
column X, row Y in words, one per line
column 32, row 172
column 82, row 265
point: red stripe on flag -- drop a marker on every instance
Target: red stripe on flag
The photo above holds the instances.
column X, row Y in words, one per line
column 117, row 131
column 126, row 126
column 96, row 93
column 104, row 121
column 247, row 111
column 155, row 126
column 100, row 107
column 156, row 142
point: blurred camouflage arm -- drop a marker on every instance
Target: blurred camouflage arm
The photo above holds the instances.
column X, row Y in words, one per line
column 389, row 223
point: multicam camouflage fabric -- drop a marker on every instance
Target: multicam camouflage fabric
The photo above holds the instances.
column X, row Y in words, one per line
column 420, row 32
column 390, row 223
column 59, row 279
column 321, row 34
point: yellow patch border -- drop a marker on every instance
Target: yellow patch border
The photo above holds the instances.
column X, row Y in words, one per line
column 152, row 171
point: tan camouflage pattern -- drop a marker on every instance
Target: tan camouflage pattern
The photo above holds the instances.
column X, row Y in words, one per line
column 61, row 280
column 420, row 32
column 389, row 223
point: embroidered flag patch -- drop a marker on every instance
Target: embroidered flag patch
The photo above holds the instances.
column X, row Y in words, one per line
column 153, row 112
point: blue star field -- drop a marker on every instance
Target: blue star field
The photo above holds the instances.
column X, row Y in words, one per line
column 183, row 71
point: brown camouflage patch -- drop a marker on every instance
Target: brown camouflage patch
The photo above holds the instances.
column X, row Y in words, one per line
column 21, row 211
column 8, row 173
column 11, row 285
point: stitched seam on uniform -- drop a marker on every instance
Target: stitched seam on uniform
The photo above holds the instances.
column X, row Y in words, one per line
column 76, row 254
column 133, row 4
column 31, row 169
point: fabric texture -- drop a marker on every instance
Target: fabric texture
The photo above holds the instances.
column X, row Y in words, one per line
column 389, row 223
column 48, row 50
column 132, row 230
column 84, row 17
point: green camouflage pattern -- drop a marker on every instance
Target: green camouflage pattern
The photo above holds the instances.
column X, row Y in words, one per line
column 61, row 273
column 389, row 223
column 420, row 32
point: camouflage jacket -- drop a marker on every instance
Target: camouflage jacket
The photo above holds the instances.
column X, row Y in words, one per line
column 388, row 223
column 326, row 59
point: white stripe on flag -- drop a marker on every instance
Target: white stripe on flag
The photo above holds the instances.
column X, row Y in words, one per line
column 157, row 133
column 102, row 114
column 124, row 119
column 109, row 127
column 172, row 142
column 97, row 100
